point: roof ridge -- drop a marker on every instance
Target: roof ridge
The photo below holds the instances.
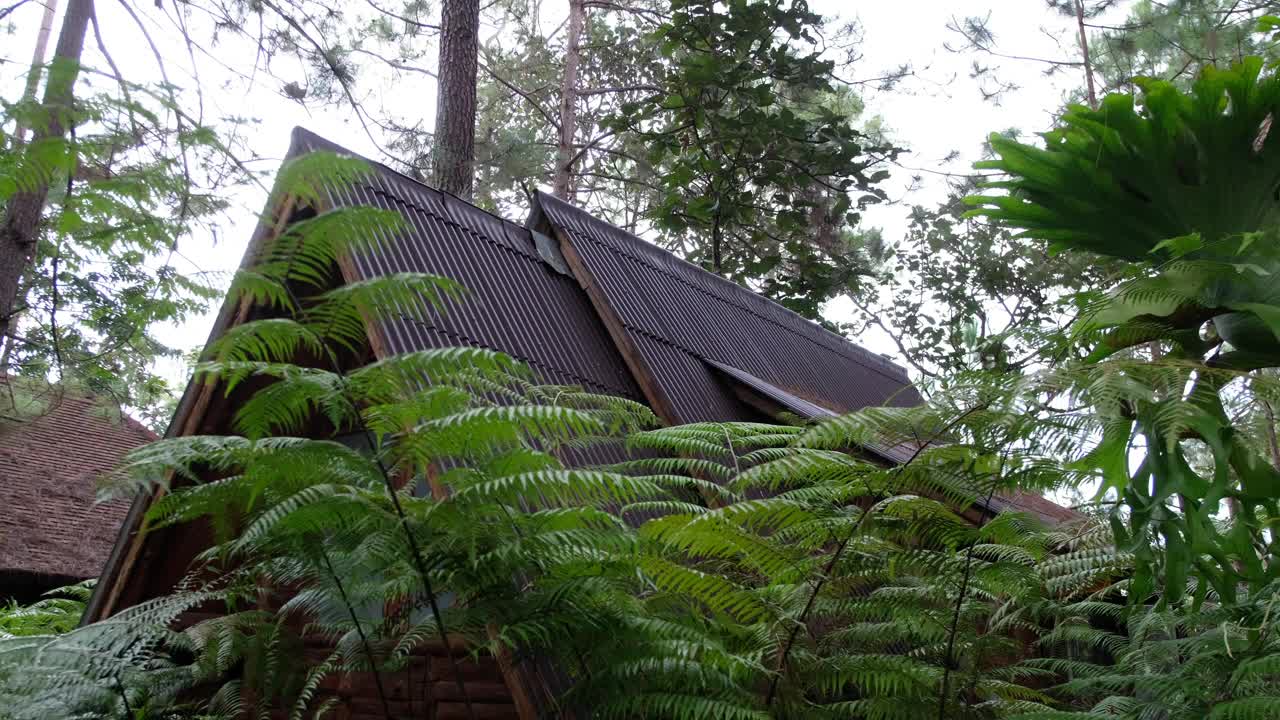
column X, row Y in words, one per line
column 301, row 134
column 874, row 361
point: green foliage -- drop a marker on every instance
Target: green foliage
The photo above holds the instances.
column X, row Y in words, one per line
column 519, row 100
column 1119, row 181
column 957, row 293
column 1218, row 662
column 742, row 570
column 135, row 177
column 1174, row 41
column 754, row 569
column 58, row 612
column 756, row 162
column 1184, row 190
column 130, row 666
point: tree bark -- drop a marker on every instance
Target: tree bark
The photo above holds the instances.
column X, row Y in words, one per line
column 10, row 327
column 18, row 233
column 454, row 152
column 1273, row 443
column 1084, row 52
column 37, row 61
column 562, row 185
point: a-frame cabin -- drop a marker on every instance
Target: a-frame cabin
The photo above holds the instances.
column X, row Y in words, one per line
column 582, row 303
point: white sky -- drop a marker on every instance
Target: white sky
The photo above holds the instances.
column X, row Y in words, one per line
column 939, row 111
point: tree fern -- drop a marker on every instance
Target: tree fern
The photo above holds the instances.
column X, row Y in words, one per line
column 866, row 566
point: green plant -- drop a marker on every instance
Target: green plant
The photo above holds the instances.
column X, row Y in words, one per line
column 1185, row 190
column 58, row 612
column 128, row 176
column 726, row 570
column 820, row 584
column 757, row 569
column 1216, row 662
column 757, row 165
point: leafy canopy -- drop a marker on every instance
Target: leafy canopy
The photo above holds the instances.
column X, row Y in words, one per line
column 756, row 161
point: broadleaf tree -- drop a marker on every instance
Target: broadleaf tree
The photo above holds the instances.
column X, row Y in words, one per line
column 757, row 172
column 114, row 176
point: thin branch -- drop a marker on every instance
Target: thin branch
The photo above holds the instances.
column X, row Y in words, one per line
column 180, row 19
column 115, row 69
column 402, row 18
column 53, row 306
column 651, row 16
column 338, row 73
column 222, row 148
column 977, row 44
column 527, row 97
column 620, row 89
column 5, row 12
column 902, row 349
column 395, row 63
column 589, row 145
column 185, row 204
column 364, row 640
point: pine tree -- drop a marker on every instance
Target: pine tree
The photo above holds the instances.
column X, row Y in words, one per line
column 453, row 144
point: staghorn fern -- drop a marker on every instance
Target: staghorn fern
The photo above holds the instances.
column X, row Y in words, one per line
column 1182, row 186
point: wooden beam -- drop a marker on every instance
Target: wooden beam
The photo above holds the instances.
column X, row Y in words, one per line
column 525, row 706
column 187, row 420
column 653, row 391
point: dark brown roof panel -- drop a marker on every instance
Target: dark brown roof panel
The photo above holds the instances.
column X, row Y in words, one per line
column 698, row 396
column 680, row 315
column 515, row 302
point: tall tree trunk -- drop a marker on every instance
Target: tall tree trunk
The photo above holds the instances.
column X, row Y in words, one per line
column 569, row 101
column 22, row 216
column 1273, row 442
column 10, row 327
column 1084, row 52
column 37, row 61
column 454, row 153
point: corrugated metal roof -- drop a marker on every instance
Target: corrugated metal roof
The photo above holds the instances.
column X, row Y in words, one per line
column 515, row 303
column 676, row 316
column 680, row 315
column 685, row 321
column 687, row 324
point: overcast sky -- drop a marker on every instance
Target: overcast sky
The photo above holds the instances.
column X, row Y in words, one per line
column 938, row 111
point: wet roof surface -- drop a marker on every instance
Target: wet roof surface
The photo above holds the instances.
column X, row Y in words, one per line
column 682, row 317
column 695, row 332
